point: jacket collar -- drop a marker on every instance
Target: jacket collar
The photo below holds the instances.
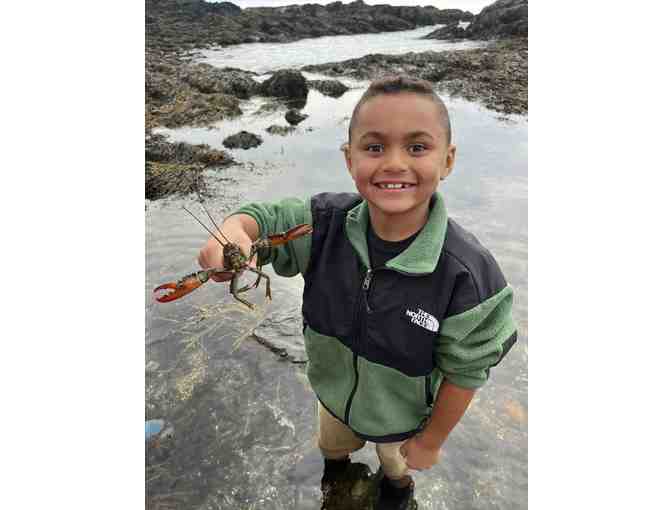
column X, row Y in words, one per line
column 421, row 256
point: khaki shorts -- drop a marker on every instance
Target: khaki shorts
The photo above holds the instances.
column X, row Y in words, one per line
column 337, row 441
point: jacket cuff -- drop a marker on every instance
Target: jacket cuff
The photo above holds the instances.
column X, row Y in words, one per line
column 470, row 381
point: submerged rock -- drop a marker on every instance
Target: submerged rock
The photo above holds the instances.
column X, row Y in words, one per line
column 242, row 140
column 295, row 117
column 280, row 130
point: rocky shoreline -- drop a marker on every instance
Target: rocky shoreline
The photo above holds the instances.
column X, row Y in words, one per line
column 179, row 24
column 495, row 76
column 181, row 92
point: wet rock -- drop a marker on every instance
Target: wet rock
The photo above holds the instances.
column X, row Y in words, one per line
column 286, row 83
column 280, row 130
column 504, row 18
column 242, row 140
column 448, row 33
column 294, row 117
column 331, row 88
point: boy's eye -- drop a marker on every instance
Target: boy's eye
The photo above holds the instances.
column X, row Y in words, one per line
column 417, row 147
column 375, row 147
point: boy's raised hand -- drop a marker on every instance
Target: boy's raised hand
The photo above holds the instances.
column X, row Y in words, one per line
column 211, row 253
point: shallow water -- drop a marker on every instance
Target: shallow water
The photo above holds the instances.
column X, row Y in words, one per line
column 268, row 57
column 244, row 416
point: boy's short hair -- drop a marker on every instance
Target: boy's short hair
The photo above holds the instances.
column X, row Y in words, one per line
column 397, row 84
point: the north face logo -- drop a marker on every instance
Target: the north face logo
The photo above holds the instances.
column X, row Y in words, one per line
column 423, row 319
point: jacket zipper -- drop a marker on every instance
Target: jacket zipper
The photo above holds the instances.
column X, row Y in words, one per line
column 365, row 287
column 428, row 391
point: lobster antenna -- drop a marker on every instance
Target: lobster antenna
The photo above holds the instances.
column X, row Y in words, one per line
column 206, row 228
column 214, row 223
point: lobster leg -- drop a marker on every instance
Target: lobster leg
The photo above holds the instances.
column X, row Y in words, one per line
column 234, row 292
column 261, row 275
column 251, row 285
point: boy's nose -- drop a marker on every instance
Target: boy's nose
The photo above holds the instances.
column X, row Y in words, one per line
column 395, row 161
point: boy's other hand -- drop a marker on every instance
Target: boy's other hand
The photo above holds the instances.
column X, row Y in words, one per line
column 211, row 253
column 418, row 455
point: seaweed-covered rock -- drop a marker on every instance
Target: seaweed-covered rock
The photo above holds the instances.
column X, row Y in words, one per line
column 209, row 80
column 194, row 109
column 495, row 75
column 163, row 179
column 294, row 117
column 178, row 93
column 160, row 150
column 331, row 88
column 285, row 83
column 242, row 140
column 176, row 168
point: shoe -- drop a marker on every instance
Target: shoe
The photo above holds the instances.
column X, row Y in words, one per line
column 334, row 470
column 393, row 498
column 334, row 475
column 339, row 485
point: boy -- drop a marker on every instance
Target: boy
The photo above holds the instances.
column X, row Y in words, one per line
column 404, row 311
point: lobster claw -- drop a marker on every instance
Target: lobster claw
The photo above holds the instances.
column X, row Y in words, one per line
column 290, row 235
column 176, row 290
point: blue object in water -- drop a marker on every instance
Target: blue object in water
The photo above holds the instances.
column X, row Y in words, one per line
column 153, row 428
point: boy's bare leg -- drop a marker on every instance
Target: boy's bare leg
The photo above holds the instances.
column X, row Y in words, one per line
column 336, row 441
column 393, row 464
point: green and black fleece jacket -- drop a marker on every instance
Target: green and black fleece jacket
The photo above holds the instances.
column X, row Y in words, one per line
column 381, row 340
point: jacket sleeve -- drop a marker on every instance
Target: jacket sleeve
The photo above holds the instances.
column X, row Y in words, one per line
column 474, row 340
column 273, row 218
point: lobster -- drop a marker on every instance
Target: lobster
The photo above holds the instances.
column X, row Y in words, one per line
column 234, row 261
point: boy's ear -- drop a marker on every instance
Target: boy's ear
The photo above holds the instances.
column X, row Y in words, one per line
column 346, row 153
column 450, row 161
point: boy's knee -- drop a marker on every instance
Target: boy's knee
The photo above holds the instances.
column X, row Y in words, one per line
column 391, row 461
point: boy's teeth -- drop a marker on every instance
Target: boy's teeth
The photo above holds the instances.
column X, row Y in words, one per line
column 393, row 186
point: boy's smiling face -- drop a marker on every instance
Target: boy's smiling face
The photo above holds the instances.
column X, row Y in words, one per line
column 397, row 155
